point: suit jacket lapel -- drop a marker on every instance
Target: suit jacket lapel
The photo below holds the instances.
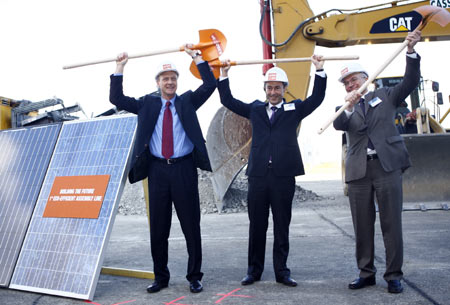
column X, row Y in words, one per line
column 261, row 110
column 367, row 98
column 154, row 114
column 178, row 108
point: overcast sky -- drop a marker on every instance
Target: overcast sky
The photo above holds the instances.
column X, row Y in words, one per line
column 39, row 37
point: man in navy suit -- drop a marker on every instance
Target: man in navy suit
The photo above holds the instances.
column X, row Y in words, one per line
column 168, row 149
column 273, row 163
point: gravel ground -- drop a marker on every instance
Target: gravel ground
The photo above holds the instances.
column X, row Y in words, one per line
column 235, row 200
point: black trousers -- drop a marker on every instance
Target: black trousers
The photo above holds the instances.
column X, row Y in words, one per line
column 264, row 193
column 387, row 187
column 177, row 183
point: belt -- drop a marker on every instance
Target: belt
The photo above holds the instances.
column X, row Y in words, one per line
column 270, row 164
column 172, row 160
column 372, row 157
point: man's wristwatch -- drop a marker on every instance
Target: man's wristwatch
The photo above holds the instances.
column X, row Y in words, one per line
column 195, row 55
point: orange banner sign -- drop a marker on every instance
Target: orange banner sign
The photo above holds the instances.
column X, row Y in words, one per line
column 76, row 196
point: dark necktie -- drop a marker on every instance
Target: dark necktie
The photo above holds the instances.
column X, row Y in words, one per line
column 363, row 108
column 167, row 133
column 272, row 116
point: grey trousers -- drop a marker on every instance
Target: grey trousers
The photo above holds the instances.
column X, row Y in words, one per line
column 387, row 187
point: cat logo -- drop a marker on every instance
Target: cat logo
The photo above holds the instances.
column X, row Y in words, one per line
column 399, row 23
column 402, row 24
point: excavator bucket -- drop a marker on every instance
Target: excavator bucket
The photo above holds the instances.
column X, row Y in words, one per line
column 228, row 143
column 428, row 177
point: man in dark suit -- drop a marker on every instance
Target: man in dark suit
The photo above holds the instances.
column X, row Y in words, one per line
column 273, row 163
column 168, row 149
column 376, row 158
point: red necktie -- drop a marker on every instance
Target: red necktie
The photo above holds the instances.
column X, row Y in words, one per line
column 167, row 133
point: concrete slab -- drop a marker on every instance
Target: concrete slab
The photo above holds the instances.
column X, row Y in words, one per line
column 321, row 260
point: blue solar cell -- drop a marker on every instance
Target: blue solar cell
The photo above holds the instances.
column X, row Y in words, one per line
column 63, row 256
column 25, row 156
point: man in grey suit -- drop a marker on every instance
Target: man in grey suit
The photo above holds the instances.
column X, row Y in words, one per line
column 376, row 159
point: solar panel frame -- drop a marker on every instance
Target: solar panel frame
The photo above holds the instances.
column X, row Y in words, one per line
column 26, row 153
column 63, row 256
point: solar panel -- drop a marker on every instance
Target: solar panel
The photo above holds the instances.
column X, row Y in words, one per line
column 25, row 155
column 62, row 255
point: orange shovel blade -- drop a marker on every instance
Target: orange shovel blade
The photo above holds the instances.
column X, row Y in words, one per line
column 215, row 70
column 434, row 13
column 214, row 44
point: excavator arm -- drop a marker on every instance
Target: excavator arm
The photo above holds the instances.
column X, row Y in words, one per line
column 386, row 23
column 378, row 24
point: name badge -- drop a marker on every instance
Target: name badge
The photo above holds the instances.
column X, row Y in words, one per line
column 375, row 101
column 289, row 107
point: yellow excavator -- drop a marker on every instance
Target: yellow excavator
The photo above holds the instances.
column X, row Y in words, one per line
column 289, row 29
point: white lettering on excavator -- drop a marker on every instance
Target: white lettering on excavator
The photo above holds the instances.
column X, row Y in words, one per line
column 395, row 23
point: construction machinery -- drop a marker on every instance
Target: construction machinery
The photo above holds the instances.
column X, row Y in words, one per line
column 290, row 29
column 18, row 113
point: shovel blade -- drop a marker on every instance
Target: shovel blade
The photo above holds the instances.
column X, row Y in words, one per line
column 194, row 70
column 218, row 40
column 436, row 14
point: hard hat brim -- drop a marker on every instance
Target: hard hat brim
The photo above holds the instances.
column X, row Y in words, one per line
column 341, row 79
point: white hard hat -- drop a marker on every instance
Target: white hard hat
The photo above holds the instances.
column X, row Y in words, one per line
column 350, row 68
column 166, row 66
column 276, row 74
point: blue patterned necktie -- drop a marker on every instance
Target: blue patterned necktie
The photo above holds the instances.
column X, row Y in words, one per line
column 363, row 108
column 272, row 116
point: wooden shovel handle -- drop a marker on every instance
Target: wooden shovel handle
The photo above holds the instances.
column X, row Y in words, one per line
column 198, row 46
column 89, row 63
column 298, row 59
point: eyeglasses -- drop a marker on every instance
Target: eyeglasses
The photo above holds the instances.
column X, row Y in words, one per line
column 352, row 80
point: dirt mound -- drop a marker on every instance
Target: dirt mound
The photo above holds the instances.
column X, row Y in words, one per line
column 235, row 200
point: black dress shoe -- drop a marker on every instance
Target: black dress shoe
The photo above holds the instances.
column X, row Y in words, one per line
column 394, row 286
column 249, row 279
column 288, row 281
column 196, row 286
column 361, row 282
column 155, row 287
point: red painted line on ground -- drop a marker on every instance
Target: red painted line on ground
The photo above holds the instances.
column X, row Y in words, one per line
column 230, row 294
column 172, row 302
